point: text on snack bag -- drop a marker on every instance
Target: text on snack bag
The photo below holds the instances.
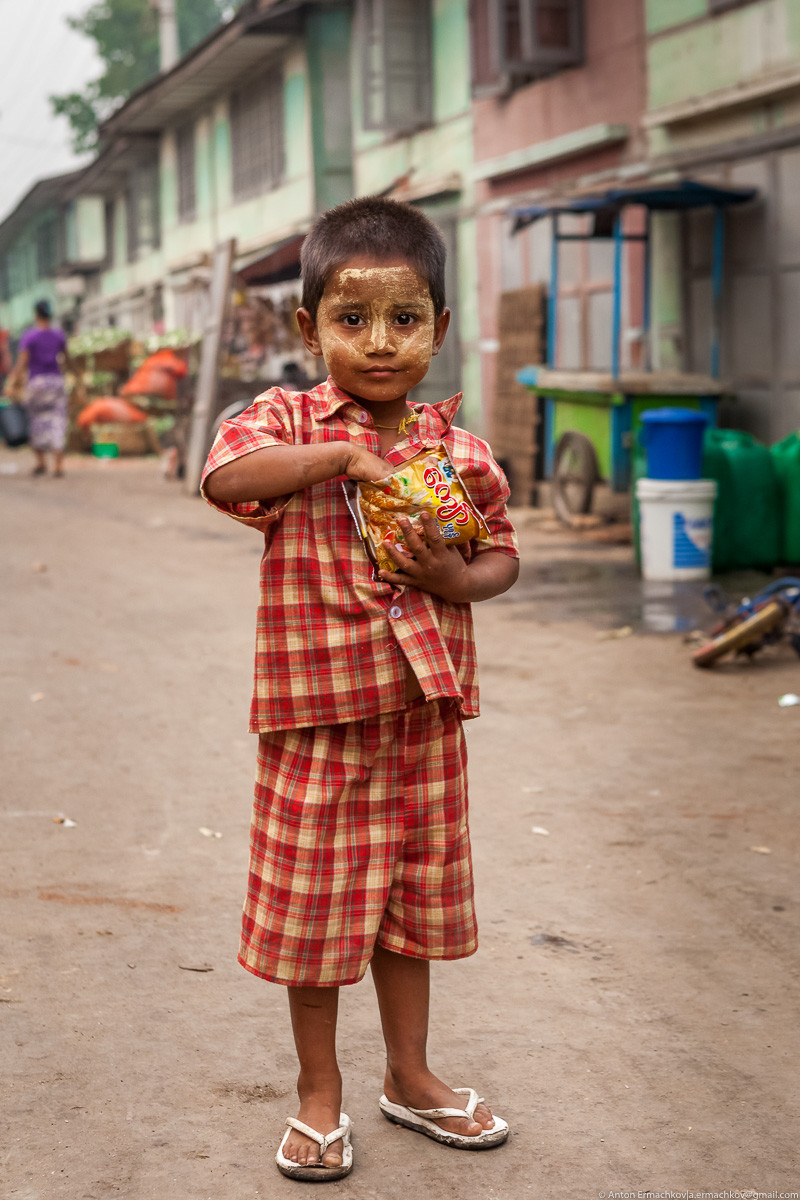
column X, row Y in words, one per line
column 449, row 508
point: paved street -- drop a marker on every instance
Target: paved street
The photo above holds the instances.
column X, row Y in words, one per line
column 632, row 1011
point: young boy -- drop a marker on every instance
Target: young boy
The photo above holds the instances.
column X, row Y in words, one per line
column 360, row 849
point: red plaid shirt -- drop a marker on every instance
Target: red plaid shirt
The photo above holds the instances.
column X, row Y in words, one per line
column 332, row 643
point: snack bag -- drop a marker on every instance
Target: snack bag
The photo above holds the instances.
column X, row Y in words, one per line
column 428, row 482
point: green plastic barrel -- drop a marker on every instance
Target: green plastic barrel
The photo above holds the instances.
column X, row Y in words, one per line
column 786, row 462
column 747, row 515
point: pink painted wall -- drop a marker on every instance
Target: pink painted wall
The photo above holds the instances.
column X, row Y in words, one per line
column 609, row 88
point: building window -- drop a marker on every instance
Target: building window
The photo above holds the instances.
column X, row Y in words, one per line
column 144, row 211
column 46, row 249
column 257, row 136
column 187, row 188
column 518, row 41
column 395, row 38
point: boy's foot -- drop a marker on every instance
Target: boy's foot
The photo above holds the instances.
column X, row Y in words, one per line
column 301, row 1149
column 429, row 1092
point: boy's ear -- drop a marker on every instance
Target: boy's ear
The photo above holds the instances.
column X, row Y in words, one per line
column 308, row 331
column 440, row 326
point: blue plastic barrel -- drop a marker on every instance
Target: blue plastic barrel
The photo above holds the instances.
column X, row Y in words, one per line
column 673, row 441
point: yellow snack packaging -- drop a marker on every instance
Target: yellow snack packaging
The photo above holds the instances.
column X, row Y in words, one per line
column 428, row 482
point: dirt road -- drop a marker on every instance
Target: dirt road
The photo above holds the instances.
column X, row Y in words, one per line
column 632, row 1010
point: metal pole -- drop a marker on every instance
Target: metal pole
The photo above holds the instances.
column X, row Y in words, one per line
column 716, row 287
column 616, row 320
column 647, row 304
column 552, row 299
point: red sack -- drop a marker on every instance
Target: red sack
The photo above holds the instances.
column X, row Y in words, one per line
column 167, row 360
column 106, row 410
column 157, row 376
column 151, row 381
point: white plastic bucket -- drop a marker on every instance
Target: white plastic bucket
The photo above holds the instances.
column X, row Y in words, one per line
column 676, row 522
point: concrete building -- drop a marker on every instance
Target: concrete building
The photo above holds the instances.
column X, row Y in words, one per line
column 723, row 104
column 286, row 110
column 557, row 111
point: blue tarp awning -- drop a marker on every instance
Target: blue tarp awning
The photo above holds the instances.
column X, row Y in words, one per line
column 668, row 197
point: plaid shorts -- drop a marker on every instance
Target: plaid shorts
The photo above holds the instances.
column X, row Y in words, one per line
column 359, row 838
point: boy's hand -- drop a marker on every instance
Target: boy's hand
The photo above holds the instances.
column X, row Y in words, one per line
column 362, row 465
column 437, row 567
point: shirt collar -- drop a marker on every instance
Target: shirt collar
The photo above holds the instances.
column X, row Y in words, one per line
column 434, row 419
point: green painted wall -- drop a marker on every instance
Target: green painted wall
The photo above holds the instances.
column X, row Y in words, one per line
column 296, row 119
column 90, row 230
column 203, row 167
column 25, row 285
column 328, row 41
column 723, row 51
column 663, row 14
column 451, row 59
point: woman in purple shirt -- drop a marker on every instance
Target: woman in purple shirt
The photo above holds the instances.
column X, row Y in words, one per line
column 43, row 353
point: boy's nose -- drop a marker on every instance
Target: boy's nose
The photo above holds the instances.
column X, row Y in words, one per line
column 379, row 339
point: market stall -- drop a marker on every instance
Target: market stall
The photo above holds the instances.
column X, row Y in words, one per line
column 593, row 419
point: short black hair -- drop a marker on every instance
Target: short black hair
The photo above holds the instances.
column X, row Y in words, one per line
column 43, row 309
column 375, row 226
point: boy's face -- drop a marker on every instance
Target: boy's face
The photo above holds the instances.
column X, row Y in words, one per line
column 375, row 328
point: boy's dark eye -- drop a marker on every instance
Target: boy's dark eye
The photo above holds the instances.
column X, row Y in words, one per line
column 352, row 319
column 405, row 318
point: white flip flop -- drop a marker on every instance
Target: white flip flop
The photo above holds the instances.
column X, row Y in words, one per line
column 317, row 1172
column 423, row 1120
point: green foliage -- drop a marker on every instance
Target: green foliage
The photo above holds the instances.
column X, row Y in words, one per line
column 126, row 35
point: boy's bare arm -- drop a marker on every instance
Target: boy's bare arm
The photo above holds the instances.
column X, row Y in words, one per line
column 438, row 567
column 282, row 470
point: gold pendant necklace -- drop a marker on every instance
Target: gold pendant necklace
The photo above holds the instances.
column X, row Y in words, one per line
column 404, row 425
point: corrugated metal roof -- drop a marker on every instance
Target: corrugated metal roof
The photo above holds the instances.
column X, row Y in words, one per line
column 227, row 54
column 41, row 195
column 667, row 197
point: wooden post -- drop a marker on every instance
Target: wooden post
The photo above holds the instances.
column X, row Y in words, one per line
column 203, row 409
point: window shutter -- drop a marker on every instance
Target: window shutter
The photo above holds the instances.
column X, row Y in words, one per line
column 5, row 279
column 487, row 78
column 46, row 249
column 187, row 188
column 396, row 57
column 540, row 36
column 257, row 135
column 143, row 210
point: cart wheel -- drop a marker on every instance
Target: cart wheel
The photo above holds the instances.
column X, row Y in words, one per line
column 575, row 472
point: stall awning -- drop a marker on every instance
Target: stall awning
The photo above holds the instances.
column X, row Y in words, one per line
column 278, row 264
column 667, row 197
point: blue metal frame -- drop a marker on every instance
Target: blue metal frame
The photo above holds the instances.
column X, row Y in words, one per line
column 716, row 286
column 616, row 316
column 552, row 299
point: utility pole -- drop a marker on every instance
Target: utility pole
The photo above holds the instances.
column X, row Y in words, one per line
column 167, row 33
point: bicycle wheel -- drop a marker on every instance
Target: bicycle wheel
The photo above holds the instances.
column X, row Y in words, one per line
column 745, row 634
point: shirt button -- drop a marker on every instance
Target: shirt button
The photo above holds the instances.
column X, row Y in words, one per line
column 395, row 612
column 363, row 417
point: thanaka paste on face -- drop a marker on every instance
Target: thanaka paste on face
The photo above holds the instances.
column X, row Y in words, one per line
column 390, row 290
column 379, row 359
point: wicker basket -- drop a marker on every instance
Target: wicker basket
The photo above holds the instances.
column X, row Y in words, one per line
column 132, row 437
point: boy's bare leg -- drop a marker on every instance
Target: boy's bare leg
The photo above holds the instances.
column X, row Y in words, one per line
column 403, row 988
column 319, row 1084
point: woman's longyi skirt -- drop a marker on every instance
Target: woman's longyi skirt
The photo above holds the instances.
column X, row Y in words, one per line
column 46, row 401
column 359, row 838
